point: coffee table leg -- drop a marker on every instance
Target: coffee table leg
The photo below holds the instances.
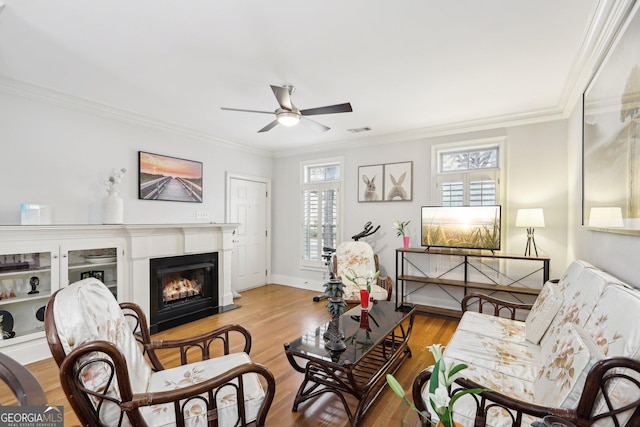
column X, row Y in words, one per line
column 319, row 379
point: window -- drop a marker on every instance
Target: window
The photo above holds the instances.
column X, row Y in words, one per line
column 467, row 175
column 321, row 182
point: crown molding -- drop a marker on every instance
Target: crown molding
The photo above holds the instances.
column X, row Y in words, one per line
column 457, row 128
column 51, row 96
column 607, row 20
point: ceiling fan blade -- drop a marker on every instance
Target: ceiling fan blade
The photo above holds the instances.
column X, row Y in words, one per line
column 246, row 111
column 269, row 126
column 329, row 109
column 313, row 124
column 283, row 97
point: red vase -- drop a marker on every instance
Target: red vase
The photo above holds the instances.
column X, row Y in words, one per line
column 405, row 240
column 364, row 320
column 364, row 299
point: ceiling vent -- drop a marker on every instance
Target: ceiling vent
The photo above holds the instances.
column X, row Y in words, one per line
column 358, row 130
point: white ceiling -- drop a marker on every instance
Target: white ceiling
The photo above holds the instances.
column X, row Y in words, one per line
column 406, row 67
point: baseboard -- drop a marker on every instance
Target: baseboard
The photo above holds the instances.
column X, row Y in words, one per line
column 298, row 282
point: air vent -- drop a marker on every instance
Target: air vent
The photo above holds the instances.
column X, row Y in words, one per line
column 358, row 130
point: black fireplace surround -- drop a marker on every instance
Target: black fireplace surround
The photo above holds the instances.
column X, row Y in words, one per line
column 183, row 289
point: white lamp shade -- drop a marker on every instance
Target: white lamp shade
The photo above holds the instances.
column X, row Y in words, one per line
column 530, row 218
column 606, row 217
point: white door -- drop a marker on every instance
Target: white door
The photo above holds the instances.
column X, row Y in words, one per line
column 248, row 207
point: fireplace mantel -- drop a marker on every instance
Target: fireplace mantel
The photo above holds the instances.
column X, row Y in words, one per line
column 156, row 241
column 136, row 244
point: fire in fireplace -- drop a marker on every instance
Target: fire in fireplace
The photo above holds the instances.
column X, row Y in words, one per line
column 183, row 289
column 180, row 288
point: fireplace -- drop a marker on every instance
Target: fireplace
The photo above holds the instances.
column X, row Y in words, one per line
column 183, row 289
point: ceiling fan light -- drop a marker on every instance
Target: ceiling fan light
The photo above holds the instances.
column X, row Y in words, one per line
column 288, row 118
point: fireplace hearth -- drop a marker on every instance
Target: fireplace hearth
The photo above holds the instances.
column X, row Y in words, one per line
column 183, row 289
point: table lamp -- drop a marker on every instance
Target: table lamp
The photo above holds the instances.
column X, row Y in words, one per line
column 530, row 219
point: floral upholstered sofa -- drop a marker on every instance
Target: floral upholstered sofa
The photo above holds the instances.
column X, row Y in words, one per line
column 576, row 355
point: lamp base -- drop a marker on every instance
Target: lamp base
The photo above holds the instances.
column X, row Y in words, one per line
column 531, row 241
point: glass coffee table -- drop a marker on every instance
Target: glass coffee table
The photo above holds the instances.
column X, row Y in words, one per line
column 376, row 345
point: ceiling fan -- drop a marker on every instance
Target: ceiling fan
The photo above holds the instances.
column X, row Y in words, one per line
column 289, row 115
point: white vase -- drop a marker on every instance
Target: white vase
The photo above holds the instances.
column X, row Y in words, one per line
column 112, row 209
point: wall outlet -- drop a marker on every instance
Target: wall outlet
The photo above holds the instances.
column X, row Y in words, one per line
column 202, row 214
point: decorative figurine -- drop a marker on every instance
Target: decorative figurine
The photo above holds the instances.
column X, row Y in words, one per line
column 34, row 282
column 12, row 294
column 6, row 325
column 335, row 291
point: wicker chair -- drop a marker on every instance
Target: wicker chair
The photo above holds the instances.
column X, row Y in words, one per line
column 25, row 387
column 359, row 256
column 100, row 347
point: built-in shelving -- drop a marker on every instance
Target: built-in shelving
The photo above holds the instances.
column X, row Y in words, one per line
column 29, row 278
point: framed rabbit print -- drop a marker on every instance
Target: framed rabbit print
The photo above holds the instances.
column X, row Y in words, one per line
column 370, row 183
column 398, row 180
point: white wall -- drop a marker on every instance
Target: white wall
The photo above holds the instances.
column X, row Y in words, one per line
column 62, row 157
column 614, row 253
column 536, row 177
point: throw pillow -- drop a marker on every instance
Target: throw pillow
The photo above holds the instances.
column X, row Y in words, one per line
column 542, row 313
column 567, row 363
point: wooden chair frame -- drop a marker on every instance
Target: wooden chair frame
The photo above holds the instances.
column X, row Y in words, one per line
column 24, row 385
column 81, row 399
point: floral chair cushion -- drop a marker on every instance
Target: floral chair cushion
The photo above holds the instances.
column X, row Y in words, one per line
column 579, row 298
column 359, row 257
column 87, row 311
column 352, row 292
column 518, row 360
column 543, row 311
column 492, row 326
column 196, row 410
column 465, row 408
column 571, row 273
column 568, row 361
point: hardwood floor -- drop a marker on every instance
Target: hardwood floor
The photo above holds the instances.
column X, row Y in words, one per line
column 274, row 315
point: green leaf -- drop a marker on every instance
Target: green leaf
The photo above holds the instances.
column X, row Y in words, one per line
column 457, row 369
column 445, row 417
column 433, row 380
column 462, row 393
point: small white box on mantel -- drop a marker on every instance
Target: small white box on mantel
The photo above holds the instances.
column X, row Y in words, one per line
column 34, row 214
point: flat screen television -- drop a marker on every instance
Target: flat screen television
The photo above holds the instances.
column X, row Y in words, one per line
column 463, row 227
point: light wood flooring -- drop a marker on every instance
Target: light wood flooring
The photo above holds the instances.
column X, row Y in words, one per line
column 274, row 315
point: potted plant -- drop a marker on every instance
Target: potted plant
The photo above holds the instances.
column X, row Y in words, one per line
column 440, row 397
column 400, row 227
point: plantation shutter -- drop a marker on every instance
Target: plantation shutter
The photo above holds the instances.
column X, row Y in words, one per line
column 320, row 223
column 478, row 188
column 320, row 188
